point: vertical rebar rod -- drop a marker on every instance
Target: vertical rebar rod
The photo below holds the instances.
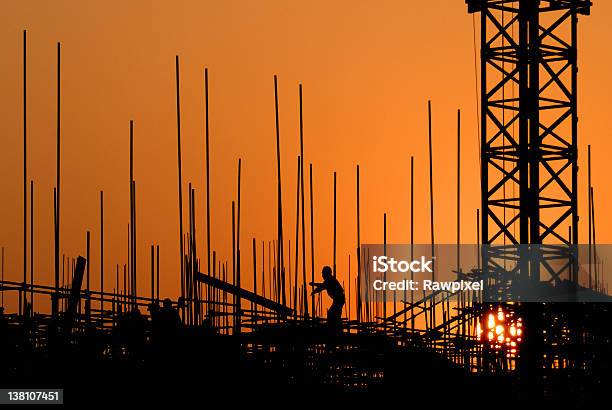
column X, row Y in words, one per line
column 207, row 171
column 190, row 255
column 358, row 249
column 157, row 272
column 63, row 274
column 215, row 292
column 458, row 190
column 596, row 284
column 152, row 273
column 253, row 306
column 279, row 239
column 2, row 291
column 125, row 292
column 271, row 271
column 412, row 238
column 460, row 297
column 384, row 295
column 405, row 311
column 590, row 216
column 235, row 299
column 238, row 298
column 134, row 241
column 304, row 288
column 57, row 173
column 101, row 251
column 273, row 276
column 32, row 246
column 297, row 233
column 87, row 283
column 180, row 176
column 292, row 299
column 129, row 264
column 224, row 297
column 431, row 205
column 369, row 297
column 312, row 252
column 117, row 290
column 348, row 305
column 88, row 245
column 478, row 236
column 54, row 297
column 132, row 216
column 335, row 234
column 22, row 292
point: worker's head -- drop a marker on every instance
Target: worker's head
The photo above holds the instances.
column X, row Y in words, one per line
column 167, row 303
column 326, row 272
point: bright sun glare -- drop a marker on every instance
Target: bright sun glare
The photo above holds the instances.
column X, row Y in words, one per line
column 502, row 330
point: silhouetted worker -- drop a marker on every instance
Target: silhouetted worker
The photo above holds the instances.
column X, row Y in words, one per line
column 3, row 322
column 27, row 329
column 6, row 351
column 28, row 317
column 336, row 292
column 4, row 330
column 167, row 326
column 169, row 317
column 132, row 333
column 207, row 323
column 153, row 309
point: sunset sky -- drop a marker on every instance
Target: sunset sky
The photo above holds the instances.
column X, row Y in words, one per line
column 367, row 70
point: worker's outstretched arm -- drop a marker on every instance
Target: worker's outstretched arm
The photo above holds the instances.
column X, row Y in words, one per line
column 318, row 288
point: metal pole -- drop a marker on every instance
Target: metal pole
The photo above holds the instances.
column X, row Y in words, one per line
column 279, row 242
column 312, row 249
column 384, row 305
column 157, row 271
column 58, row 179
column 305, row 290
column 458, row 190
column 22, row 292
column 590, row 218
column 207, row 170
column 358, row 250
column 101, row 251
column 412, row 238
column 431, row 206
column 32, row 246
column 180, row 177
column 238, row 299
column 152, row 273
column 297, row 233
column 2, row 292
column 334, row 224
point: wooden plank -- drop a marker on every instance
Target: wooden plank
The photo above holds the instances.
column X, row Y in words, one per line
column 244, row 294
column 75, row 293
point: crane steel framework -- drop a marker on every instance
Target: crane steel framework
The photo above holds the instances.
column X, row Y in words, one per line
column 529, row 136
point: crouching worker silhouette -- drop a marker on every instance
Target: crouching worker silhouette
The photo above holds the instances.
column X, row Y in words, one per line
column 334, row 291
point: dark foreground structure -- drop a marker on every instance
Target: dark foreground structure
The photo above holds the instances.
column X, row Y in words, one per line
column 260, row 355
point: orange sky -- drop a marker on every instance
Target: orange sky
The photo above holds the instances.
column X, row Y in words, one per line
column 367, row 73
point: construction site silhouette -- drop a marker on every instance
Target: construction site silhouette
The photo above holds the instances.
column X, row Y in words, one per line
column 222, row 340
